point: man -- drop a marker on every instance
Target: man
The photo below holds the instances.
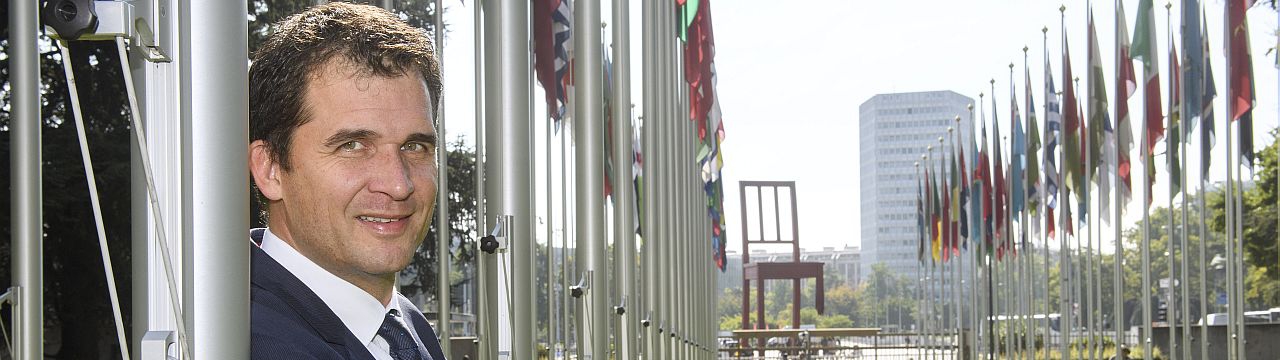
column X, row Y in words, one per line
column 342, row 103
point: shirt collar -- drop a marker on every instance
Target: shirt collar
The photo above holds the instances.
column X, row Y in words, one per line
column 359, row 311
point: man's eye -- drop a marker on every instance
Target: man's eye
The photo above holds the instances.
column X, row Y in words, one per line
column 351, row 146
column 414, row 147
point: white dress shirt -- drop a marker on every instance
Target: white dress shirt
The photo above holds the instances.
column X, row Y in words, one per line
column 359, row 311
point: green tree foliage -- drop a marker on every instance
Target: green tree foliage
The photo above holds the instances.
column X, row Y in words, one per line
column 1260, row 229
column 1262, row 217
column 884, row 298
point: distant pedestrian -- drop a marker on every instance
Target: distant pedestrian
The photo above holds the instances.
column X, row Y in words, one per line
column 1121, row 354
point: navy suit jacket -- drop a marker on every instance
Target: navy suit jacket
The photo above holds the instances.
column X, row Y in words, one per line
column 289, row 321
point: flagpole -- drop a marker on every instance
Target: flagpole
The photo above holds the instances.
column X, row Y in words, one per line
column 1235, row 235
column 1182, row 284
column 624, row 211
column 982, row 313
column 1064, row 253
column 968, row 330
column 928, row 295
column 649, row 138
column 1205, row 135
column 1089, row 213
column 1088, row 247
column 1018, row 274
column 1229, row 247
column 957, row 266
column 1232, row 216
column 667, row 192
column 920, row 212
column 1170, row 154
column 1045, row 235
column 950, row 264
column 1118, row 257
column 939, row 297
column 926, row 266
column 1028, row 264
column 998, row 273
column 551, row 294
column 1015, row 262
column 1010, row 278
column 939, row 286
column 483, row 330
column 975, row 238
column 1239, row 212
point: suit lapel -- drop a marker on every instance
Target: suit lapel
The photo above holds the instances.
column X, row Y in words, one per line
column 274, row 278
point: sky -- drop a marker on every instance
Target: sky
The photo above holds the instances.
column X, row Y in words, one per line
column 792, row 77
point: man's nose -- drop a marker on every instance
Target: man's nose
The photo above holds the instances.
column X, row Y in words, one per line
column 390, row 174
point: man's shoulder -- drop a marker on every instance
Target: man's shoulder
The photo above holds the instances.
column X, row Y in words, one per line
column 279, row 328
column 277, row 335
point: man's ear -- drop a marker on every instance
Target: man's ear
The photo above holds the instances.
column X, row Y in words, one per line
column 266, row 172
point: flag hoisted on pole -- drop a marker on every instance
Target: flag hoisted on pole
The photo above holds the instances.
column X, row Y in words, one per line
column 1099, row 128
column 936, row 210
column 552, row 44
column 1053, row 130
column 954, row 200
column 920, row 216
column 945, row 188
column 1173, row 152
column 1207, row 138
column 1049, row 112
column 1144, row 48
column 1240, row 102
column 963, row 184
column 1175, row 118
column 1207, row 125
column 1126, row 86
column 1072, row 156
column 1241, row 84
column 1017, row 151
column 1035, row 192
column 982, row 178
column 704, row 110
column 1001, row 193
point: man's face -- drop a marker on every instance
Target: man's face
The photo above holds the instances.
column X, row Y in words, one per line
column 359, row 194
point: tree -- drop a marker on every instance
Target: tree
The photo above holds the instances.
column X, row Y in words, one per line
column 883, row 295
column 1260, row 229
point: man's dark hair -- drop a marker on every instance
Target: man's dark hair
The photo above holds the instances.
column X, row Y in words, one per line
column 369, row 38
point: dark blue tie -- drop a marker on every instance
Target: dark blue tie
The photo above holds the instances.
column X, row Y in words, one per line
column 402, row 345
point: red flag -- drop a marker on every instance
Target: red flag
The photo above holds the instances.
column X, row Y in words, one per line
column 1127, row 86
column 551, row 39
column 1049, row 220
column 1241, row 72
column 1066, row 213
column 699, row 51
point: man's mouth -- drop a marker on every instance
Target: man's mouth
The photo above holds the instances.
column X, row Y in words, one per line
column 385, row 224
column 377, row 219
